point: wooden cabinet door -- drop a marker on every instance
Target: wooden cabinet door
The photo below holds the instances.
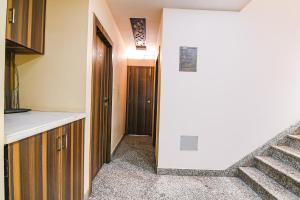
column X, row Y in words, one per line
column 72, row 161
column 77, row 145
column 26, row 25
column 53, row 164
column 27, row 168
column 48, row 166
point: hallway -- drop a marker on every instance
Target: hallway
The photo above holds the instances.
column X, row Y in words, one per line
column 131, row 175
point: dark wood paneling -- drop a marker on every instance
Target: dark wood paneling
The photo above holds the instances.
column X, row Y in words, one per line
column 72, row 161
column 26, row 33
column 67, row 137
column 26, row 169
column 48, row 166
column 53, row 164
column 140, row 96
column 101, row 104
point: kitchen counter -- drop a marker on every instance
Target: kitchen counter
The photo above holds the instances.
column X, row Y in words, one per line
column 23, row 125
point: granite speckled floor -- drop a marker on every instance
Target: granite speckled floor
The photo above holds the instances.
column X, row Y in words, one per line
column 131, row 175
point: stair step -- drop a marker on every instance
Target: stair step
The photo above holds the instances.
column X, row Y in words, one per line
column 296, row 137
column 264, row 185
column 284, row 174
column 289, row 155
column 293, row 141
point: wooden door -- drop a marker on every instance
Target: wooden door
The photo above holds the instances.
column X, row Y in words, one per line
column 26, row 25
column 140, row 96
column 101, row 102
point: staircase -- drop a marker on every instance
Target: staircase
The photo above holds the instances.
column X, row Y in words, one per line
column 276, row 173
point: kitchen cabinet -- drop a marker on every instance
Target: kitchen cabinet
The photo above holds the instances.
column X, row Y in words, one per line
column 47, row 166
column 25, row 26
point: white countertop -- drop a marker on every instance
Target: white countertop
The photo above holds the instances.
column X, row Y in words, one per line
column 22, row 125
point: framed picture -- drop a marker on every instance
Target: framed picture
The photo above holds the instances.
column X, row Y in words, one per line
column 188, row 59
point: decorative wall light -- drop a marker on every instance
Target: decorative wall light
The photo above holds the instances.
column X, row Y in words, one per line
column 138, row 26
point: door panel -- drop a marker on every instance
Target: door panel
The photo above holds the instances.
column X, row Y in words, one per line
column 77, row 146
column 140, row 100
column 54, row 172
column 25, row 161
column 66, row 162
column 101, row 105
column 47, row 166
column 72, row 161
column 96, row 156
column 26, row 24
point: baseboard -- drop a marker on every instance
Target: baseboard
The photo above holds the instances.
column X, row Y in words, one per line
column 195, row 172
column 114, row 151
column 249, row 159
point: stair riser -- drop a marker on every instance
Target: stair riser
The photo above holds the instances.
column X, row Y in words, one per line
column 295, row 143
column 280, row 177
column 255, row 186
column 286, row 158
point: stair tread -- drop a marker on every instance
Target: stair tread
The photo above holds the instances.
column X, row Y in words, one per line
column 289, row 150
column 296, row 137
column 270, row 185
column 282, row 167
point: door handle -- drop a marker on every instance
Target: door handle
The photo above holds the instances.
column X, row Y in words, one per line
column 105, row 101
column 58, row 143
column 148, row 101
column 64, row 141
column 12, row 18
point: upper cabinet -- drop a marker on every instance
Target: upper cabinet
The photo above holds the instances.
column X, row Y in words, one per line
column 25, row 26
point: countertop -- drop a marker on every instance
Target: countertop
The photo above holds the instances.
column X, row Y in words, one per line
column 23, row 125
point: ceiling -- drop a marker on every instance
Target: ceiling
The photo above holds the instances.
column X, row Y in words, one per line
column 122, row 10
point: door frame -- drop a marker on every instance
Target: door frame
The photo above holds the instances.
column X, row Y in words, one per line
column 99, row 31
column 157, row 105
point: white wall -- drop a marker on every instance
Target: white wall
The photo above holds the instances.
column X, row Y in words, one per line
column 101, row 10
column 246, row 89
column 2, row 64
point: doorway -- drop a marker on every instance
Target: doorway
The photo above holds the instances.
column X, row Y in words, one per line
column 140, row 100
column 101, row 99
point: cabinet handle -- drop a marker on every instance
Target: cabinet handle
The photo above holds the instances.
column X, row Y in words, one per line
column 58, row 143
column 12, row 12
column 6, row 168
column 64, row 141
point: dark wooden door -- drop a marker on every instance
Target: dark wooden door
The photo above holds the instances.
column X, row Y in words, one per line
column 140, row 96
column 26, row 25
column 101, row 104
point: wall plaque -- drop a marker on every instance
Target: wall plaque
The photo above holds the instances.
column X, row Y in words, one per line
column 188, row 59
